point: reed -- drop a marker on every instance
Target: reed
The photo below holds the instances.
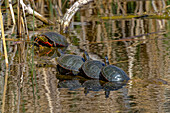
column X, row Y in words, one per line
column 6, row 61
column 33, row 75
column 3, row 38
column 32, row 64
column 51, row 10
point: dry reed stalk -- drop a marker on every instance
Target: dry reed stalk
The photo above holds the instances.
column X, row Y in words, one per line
column 60, row 4
column 12, row 13
column 23, row 25
column 3, row 38
column 25, row 20
column 37, row 15
column 42, row 7
column 6, row 61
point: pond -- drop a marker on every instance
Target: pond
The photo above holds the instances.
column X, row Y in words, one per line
column 139, row 46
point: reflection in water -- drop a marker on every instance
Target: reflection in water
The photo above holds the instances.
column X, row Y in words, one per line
column 167, row 102
column 34, row 86
column 70, row 84
column 49, row 91
column 91, row 85
column 94, row 97
column 112, row 86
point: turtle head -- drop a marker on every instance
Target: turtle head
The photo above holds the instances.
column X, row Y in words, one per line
column 86, row 55
column 37, row 37
column 106, row 60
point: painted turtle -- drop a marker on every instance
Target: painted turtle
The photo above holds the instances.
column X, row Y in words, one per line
column 112, row 73
column 51, row 39
column 91, row 68
column 69, row 64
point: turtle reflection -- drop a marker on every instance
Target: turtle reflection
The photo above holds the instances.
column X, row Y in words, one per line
column 91, row 85
column 112, row 86
column 70, row 84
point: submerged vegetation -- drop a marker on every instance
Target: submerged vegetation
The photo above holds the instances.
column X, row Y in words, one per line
column 134, row 34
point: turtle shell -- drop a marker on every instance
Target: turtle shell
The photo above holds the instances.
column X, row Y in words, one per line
column 92, row 68
column 70, row 63
column 56, row 39
column 112, row 73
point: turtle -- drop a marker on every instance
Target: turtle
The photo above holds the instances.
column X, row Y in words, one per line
column 51, row 39
column 69, row 64
column 91, row 68
column 112, row 73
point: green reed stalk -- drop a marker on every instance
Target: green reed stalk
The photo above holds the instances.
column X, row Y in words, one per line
column 114, row 8
column 51, row 10
column 131, row 7
column 32, row 65
column 19, row 19
column 32, row 70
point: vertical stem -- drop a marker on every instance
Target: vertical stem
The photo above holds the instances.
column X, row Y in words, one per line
column 19, row 23
column 3, row 38
column 25, row 20
column 12, row 12
column 60, row 4
column 6, row 60
column 42, row 7
column 51, row 9
column 8, row 15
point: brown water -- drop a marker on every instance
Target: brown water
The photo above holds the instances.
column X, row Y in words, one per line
column 35, row 86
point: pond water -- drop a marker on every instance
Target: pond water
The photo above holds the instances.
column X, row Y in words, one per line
column 139, row 46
